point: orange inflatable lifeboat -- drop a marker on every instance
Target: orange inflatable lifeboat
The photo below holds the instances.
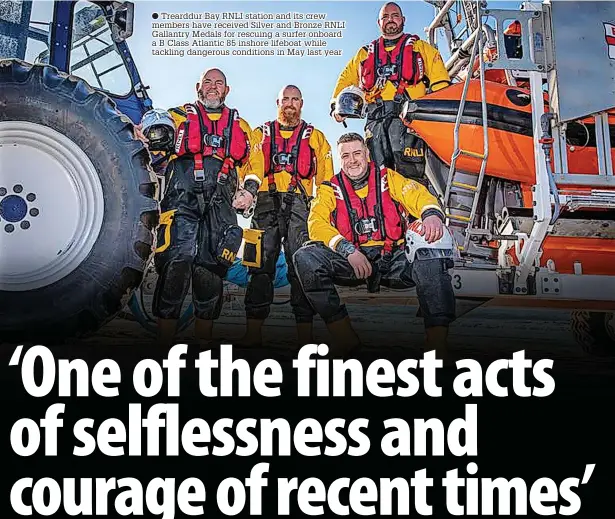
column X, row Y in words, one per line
column 510, row 132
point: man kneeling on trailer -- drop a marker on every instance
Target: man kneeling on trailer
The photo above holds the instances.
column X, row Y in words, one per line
column 199, row 237
column 357, row 225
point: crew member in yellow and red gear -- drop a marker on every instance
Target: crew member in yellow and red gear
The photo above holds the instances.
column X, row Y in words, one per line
column 199, row 238
column 295, row 157
column 389, row 71
column 358, row 224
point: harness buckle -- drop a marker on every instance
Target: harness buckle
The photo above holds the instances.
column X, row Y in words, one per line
column 223, row 174
column 222, row 178
column 282, row 159
column 214, row 141
column 199, row 175
column 366, row 226
column 386, row 70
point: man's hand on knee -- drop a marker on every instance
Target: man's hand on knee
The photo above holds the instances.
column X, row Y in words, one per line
column 433, row 228
column 360, row 264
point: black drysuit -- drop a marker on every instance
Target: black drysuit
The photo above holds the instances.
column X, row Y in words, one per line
column 192, row 248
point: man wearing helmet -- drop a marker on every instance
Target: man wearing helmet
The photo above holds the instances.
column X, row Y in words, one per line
column 384, row 75
column 198, row 237
column 358, row 223
column 295, row 157
column 157, row 130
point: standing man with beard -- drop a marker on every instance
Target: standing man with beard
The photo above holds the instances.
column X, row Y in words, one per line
column 387, row 72
column 295, row 157
column 198, row 237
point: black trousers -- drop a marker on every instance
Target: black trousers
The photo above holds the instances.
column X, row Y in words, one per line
column 203, row 219
column 259, row 293
column 319, row 268
column 390, row 143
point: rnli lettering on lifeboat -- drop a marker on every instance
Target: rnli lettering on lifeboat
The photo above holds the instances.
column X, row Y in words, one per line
column 609, row 31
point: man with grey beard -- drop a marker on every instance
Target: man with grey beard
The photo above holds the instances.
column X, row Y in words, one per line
column 295, row 157
column 198, row 237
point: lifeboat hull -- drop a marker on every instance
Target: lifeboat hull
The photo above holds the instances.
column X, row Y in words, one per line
column 510, row 131
column 595, row 255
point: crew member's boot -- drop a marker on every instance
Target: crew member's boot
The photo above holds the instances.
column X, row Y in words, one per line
column 343, row 338
column 166, row 332
column 437, row 340
column 304, row 334
column 254, row 334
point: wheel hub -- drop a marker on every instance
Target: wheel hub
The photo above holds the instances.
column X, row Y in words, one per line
column 13, row 208
column 51, row 206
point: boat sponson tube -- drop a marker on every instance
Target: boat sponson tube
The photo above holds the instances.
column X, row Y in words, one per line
column 498, row 118
column 445, row 111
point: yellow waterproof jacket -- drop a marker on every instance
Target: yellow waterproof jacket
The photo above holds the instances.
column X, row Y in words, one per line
column 435, row 71
column 324, row 162
column 247, row 170
column 411, row 195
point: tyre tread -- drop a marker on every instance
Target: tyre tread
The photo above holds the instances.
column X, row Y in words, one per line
column 115, row 294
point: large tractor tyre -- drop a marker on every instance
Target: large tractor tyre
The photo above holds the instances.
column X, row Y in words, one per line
column 594, row 331
column 78, row 208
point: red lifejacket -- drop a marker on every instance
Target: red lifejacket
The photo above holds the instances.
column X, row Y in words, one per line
column 224, row 139
column 403, row 66
column 376, row 217
column 293, row 155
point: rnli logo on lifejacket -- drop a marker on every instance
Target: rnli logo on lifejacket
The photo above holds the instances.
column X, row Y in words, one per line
column 337, row 192
column 384, row 183
column 413, row 152
column 307, row 132
column 420, row 67
column 609, row 31
column 178, row 141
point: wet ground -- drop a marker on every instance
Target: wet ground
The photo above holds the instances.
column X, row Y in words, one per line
column 485, row 333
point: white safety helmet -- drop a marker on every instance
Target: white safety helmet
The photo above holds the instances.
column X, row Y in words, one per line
column 159, row 128
column 351, row 103
column 416, row 244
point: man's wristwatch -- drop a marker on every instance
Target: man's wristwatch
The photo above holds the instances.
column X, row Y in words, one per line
column 344, row 248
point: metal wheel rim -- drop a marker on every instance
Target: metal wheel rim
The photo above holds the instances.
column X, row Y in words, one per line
column 69, row 201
